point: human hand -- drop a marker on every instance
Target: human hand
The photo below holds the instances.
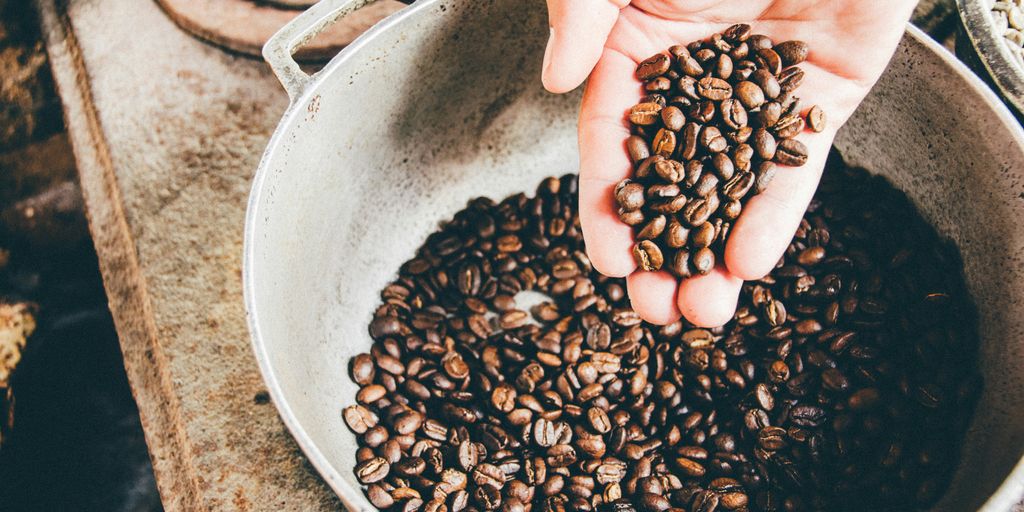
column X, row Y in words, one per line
column 851, row 42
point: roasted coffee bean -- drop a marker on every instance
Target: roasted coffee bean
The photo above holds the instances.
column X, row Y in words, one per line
column 767, row 82
column 791, row 152
column 362, row 369
column 791, row 79
column 816, row 119
column 680, row 264
column 733, row 114
column 629, row 195
column 765, row 173
column 689, row 142
column 702, row 111
column 788, row 126
column 714, row 89
column 664, row 143
column 703, row 260
column 769, row 60
column 673, row 118
column 645, row 113
column 648, row 256
column 638, row 149
column 373, row 470
column 359, row 419
column 749, row 94
column 653, row 67
column 764, row 144
column 737, row 188
column 769, row 114
column 792, row 52
column 707, row 184
column 737, row 33
column 379, row 497
column 670, row 171
column 653, row 229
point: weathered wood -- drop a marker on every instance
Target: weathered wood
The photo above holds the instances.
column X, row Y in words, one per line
column 167, row 131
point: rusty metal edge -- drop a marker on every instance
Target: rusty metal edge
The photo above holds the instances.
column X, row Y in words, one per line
column 144, row 358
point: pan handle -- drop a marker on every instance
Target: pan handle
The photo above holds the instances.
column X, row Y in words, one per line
column 279, row 49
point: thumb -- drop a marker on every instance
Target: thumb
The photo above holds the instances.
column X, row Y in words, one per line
column 579, row 30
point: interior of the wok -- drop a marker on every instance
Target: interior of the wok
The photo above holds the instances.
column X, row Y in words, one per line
column 446, row 105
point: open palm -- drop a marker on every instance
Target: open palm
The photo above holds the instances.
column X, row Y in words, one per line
column 851, row 42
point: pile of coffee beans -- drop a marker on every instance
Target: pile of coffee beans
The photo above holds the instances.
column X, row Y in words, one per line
column 717, row 118
column 844, row 381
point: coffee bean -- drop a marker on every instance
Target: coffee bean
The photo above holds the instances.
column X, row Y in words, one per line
column 638, row 149
column 790, row 79
column 767, row 82
column 408, row 422
column 653, row 229
column 688, row 143
column 673, row 118
column 733, row 114
column 488, row 497
column 714, row 89
column 792, row 52
column 691, row 67
column 765, row 173
column 645, row 113
column 791, row 152
column 362, row 369
column 703, row 261
column 561, row 455
column 488, row 474
column 379, row 497
column 370, row 394
column 764, row 144
column 670, row 171
column 664, row 143
column 629, row 195
column 680, row 264
column 816, row 119
column 788, row 126
column 770, row 114
column 769, row 60
column 359, row 419
column 648, row 255
column 653, row 67
column 738, row 186
column 373, row 470
column 749, row 94
column 737, row 33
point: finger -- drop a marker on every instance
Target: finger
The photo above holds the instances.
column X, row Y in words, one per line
column 709, row 300
column 768, row 221
column 653, row 296
column 604, row 162
column 579, row 29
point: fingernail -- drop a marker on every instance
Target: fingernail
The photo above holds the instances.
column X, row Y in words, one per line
column 547, row 54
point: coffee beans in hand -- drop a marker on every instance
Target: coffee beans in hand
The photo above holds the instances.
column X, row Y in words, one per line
column 844, row 382
column 716, row 113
